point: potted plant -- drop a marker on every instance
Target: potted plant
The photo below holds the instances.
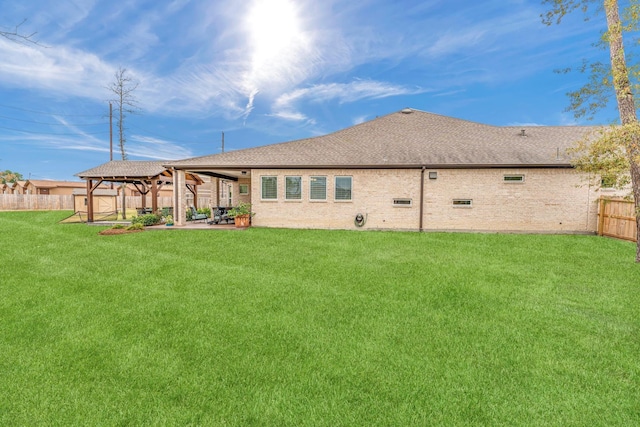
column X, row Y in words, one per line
column 241, row 214
column 168, row 221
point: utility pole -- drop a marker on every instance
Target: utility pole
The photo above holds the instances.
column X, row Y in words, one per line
column 110, row 132
column 223, row 142
column 111, row 136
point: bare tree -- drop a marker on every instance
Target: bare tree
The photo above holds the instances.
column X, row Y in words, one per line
column 15, row 35
column 123, row 87
column 126, row 103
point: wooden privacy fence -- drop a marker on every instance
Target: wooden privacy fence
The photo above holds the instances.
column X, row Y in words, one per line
column 35, row 202
column 47, row 202
column 616, row 218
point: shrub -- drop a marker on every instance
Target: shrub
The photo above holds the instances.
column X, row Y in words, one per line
column 241, row 209
column 136, row 226
column 145, row 220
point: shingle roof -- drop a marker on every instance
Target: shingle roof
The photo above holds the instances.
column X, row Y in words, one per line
column 125, row 168
column 46, row 183
column 134, row 171
column 409, row 138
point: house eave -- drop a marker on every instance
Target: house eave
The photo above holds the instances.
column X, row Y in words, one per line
column 377, row 166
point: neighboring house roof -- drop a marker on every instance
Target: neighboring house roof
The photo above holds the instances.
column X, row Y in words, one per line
column 19, row 184
column 45, row 183
column 408, row 138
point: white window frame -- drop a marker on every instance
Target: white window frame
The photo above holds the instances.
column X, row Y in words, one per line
column 262, row 182
column 462, row 203
column 335, row 188
column 402, row 202
column 513, row 178
column 287, row 179
column 311, row 193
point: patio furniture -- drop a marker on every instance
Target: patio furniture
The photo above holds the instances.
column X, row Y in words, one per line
column 219, row 215
column 195, row 216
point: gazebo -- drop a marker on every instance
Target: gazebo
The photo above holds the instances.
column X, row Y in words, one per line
column 146, row 176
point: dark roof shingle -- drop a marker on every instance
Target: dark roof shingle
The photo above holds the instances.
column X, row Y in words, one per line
column 125, row 168
column 409, row 138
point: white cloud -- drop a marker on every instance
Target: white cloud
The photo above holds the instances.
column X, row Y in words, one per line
column 455, row 42
column 523, row 124
column 358, row 120
column 289, row 115
column 154, row 148
column 286, row 104
column 58, row 70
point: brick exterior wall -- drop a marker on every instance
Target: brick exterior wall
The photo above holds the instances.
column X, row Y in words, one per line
column 548, row 200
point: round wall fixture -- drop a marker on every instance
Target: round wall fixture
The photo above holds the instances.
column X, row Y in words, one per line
column 360, row 220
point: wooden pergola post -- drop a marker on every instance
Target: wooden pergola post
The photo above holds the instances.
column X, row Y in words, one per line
column 154, row 195
column 180, row 207
column 89, row 200
column 143, row 197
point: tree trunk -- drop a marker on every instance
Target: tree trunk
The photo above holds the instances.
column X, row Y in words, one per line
column 626, row 105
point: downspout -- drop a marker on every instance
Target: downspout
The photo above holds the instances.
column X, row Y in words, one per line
column 422, row 196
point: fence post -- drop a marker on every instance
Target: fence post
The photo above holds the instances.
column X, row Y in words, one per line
column 601, row 216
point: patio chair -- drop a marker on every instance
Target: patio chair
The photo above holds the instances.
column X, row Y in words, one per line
column 219, row 215
column 195, row 216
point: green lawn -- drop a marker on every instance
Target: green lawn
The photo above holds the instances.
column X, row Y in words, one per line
column 273, row 327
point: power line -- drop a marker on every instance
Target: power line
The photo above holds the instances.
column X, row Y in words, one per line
column 166, row 137
column 53, row 124
column 55, row 134
column 48, row 113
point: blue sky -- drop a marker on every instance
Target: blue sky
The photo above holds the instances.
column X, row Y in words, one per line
column 267, row 71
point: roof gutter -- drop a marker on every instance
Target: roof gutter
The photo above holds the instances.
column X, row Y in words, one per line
column 381, row 166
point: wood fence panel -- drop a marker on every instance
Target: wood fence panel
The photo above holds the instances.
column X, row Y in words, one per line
column 48, row 202
column 616, row 218
column 35, row 202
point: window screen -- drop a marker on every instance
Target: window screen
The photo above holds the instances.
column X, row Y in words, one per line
column 293, row 187
column 318, row 188
column 269, row 187
column 343, row 188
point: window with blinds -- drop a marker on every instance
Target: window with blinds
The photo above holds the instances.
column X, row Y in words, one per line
column 269, row 188
column 293, row 187
column 318, row 188
column 343, row 188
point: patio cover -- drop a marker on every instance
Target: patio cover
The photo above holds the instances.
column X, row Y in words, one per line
column 144, row 175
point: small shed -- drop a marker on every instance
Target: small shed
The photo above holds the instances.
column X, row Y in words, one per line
column 104, row 201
